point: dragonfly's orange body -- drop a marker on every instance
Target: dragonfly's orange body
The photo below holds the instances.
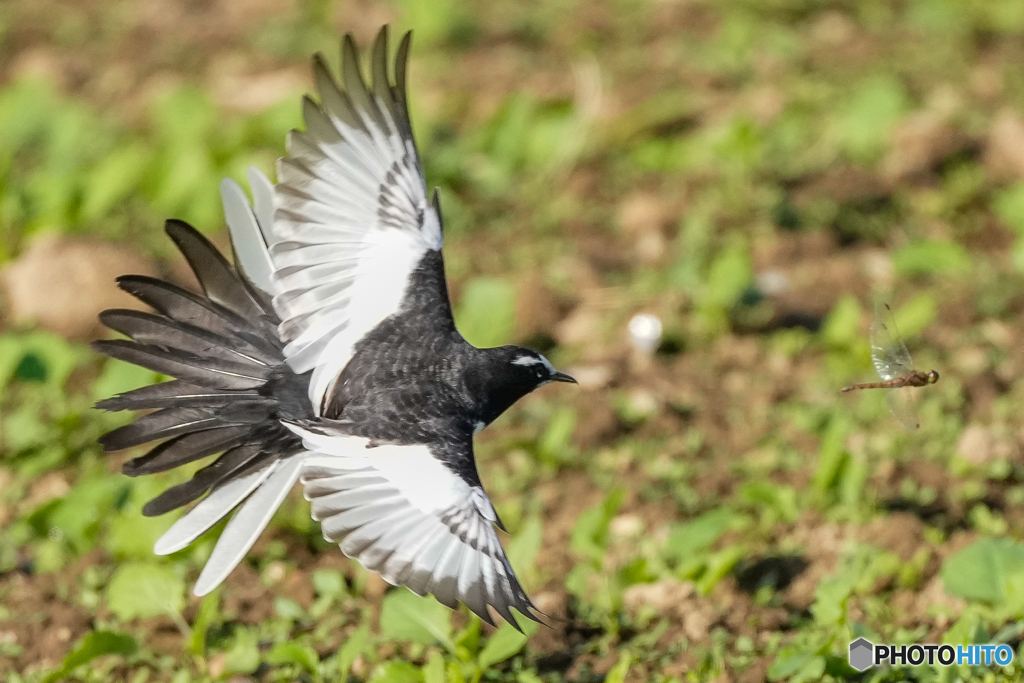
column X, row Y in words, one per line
column 913, row 379
column 893, row 363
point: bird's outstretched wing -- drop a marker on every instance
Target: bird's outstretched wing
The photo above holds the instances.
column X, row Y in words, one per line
column 402, row 512
column 352, row 218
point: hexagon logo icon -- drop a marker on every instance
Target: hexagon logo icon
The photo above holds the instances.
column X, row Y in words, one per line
column 861, row 654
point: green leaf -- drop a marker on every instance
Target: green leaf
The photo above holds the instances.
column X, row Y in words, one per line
column 486, row 312
column 145, row 590
column 132, row 535
column 830, row 599
column 504, row 643
column 778, row 498
column 522, row 550
column 931, row 257
column 619, row 672
column 579, row 580
column 728, row 275
column 590, row 533
column 24, row 429
column 209, row 608
column 842, row 326
column 288, row 608
column 294, row 653
column 719, row 566
column 436, row 20
column 832, row 455
column 79, row 515
column 57, row 356
column 10, row 356
column 1008, row 205
column 353, row 647
column 688, row 539
column 329, row 583
column 113, row 179
column 184, row 115
column 405, row 616
column 243, row 655
column 796, row 660
column 555, row 444
column 915, row 316
column 990, row 570
column 397, row 672
column 864, row 123
column 433, row 670
column 95, row 644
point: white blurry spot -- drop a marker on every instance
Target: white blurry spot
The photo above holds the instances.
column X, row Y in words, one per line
column 626, row 526
column 645, row 332
column 772, row 282
column 275, row 572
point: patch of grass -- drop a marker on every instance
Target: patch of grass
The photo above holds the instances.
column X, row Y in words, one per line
column 716, row 510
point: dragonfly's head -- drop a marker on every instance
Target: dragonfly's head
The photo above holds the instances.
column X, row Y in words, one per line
column 933, row 377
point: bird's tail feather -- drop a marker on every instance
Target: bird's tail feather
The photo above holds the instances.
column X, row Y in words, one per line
column 222, row 348
column 247, row 524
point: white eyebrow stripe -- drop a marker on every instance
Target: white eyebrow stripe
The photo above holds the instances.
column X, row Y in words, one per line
column 530, row 360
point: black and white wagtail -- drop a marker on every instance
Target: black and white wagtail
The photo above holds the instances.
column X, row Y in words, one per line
column 329, row 357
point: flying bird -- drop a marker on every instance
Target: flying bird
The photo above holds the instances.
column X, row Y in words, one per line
column 328, row 356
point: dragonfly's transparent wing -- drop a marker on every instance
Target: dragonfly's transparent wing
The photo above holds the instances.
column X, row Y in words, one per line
column 888, row 352
column 903, row 406
column 892, row 360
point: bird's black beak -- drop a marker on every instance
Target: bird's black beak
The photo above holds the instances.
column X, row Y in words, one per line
column 562, row 377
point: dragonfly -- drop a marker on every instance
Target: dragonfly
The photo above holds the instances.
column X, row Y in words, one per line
column 896, row 368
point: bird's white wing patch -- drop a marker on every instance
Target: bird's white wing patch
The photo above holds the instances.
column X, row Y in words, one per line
column 352, row 217
column 401, row 512
column 251, row 231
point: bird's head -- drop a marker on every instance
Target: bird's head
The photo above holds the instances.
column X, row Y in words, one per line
column 529, row 368
column 508, row 374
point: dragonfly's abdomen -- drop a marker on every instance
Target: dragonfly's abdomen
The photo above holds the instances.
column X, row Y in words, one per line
column 913, row 379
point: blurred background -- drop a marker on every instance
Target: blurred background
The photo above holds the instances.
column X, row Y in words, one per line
column 706, row 505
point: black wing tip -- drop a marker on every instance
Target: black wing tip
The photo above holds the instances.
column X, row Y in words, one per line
column 350, row 59
column 109, row 441
column 132, row 468
column 163, row 503
column 122, row 319
column 380, row 41
column 128, row 282
column 109, row 347
column 185, row 237
column 528, row 611
column 117, row 312
column 177, row 229
column 110, row 405
column 322, row 76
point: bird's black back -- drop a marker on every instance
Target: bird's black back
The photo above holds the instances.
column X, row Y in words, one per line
column 414, row 379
